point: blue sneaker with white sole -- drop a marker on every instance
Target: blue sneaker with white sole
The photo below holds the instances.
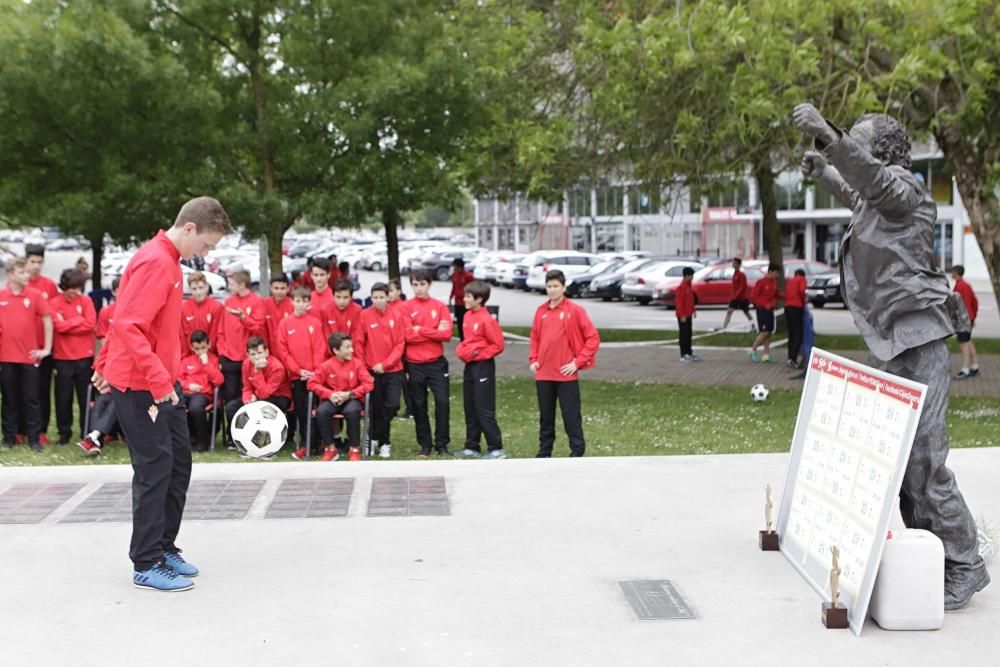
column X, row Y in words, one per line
column 495, row 454
column 160, row 577
column 178, row 564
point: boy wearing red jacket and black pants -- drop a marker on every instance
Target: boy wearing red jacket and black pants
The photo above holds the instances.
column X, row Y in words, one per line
column 200, row 313
column 795, row 304
column 970, row 366
column 684, row 309
column 482, row 343
column 199, row 377
column 301, row 348
column 140, row 364
column 34, row 254
column 427, row 330
column 264, row 379
column 380, row 341
column 459, row 279
column 74, row 320
column 563, row 342
column 765, row 297
column 341, row 383
column 243, row 318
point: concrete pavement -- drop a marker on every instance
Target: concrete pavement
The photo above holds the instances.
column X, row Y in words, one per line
column 523, row 572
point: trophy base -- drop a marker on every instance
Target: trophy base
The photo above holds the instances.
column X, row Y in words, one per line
column 768, row 540
column 834, row 618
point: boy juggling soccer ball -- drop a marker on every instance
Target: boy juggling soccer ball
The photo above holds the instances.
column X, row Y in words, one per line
column 563, row 342
column 341, row 383
column 380, row 343
column 482, row 343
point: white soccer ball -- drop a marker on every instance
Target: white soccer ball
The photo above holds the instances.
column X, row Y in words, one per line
column 259, row 429
column 759, row 393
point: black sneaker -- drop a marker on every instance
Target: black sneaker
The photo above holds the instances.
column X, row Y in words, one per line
column 973, row 372
column 962, row 375
column 443, row 451
column 36, row 447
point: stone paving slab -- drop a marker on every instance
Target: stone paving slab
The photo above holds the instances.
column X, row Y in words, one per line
column 30, row 503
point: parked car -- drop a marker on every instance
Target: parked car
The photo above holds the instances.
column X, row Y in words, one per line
column 811, row 267
column 608, row 285
column 486, row 264
column 711, row 285
column 639, row 285
column 505, row 270
column 824, row 289
column 578, row 284
column 439, row 261
column 570, row 262
column 216, row 284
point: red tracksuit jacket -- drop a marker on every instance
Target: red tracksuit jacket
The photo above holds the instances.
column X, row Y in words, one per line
column 49, row 291
column 300, row 344
column 274, row 312
column 263, row 384
column 104, row 320
column 206, row 316
column 380, row 339
column 336, row 375
column 207, row 375
column 425, row 343
column 20, row 318
column 74, row 323
column 459, row 279
column 969, row 297
column 560, row 335
column 234, row 332
column 483, row 339
column 684, row 300
column 739, row 291
column 795, row 292
column 143, row 349
column 320, row 300
column 336, row 320
column 765, row 293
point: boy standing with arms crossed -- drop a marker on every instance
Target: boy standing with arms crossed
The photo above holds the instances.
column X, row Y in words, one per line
column 139, row 365
column 243, row 318
column 428, row 329
column 23, row 311
column 482, row 343
column 380, row 342
column 35, row 258
column 563, row 342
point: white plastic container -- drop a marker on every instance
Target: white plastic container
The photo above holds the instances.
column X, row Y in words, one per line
column 909, row 588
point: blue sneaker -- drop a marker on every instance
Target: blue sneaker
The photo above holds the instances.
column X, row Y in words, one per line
column 176, row 562
column 495, row 454
column 754, row 357
column 467, row 454
column 161, row 578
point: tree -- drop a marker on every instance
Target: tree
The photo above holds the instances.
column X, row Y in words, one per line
column 100, row 132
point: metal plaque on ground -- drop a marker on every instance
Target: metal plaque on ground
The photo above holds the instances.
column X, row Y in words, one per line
column 656, row 600
column 311, row 498
column 850, row 449
column 30, row 503
column 408, row 496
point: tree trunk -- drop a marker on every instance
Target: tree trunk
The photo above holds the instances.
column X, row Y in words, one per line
column 274, row 249
column 96, row 255
column 764, row 175
column 980, row 201
column 390, row 221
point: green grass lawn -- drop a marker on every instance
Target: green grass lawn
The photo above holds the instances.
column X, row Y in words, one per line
column 620, row 419
column 839, row 342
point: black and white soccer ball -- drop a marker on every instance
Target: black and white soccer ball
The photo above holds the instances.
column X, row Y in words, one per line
column 259, row 429
column 759, row 393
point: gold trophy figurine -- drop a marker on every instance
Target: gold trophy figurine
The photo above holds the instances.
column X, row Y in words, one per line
column 833, row 615
column 768, row 538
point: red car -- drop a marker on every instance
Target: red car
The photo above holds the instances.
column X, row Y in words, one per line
column 711, row 285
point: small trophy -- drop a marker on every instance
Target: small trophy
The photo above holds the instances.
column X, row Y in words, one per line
column 833, row 615
column 768, row 538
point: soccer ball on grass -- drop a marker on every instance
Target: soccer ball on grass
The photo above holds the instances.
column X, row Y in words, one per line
column 259, row 429
column 759, row 393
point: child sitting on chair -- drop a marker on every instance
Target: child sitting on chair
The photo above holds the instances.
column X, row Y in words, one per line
column 341, row 383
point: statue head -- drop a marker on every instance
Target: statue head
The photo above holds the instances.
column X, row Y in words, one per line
column 884, row 137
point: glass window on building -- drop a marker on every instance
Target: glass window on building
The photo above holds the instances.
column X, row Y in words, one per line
column 643, row 200
column 940, row 179
column 506, row 211
column 823, row 199
column 789, row 191
column 579, row 203
column 828, row 238
column 610, row 237
column 527, row 211
column 486, row 210
column 610, row 200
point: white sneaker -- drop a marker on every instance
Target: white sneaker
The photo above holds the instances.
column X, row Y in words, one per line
column 385, row 451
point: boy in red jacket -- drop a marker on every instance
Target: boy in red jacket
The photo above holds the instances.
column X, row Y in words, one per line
column 482, row 343
column 795, row 303
column 459, row 279
column 970, row 365
column 276, row 308
column 341, row 383
column 301, row 348
column 343, row 313
column 427, row 330
column 322, row 295
column 107, row 314
column 684, row 308
column 765, row 297
column 199, row 377
column 563, row 342
column 380, row 342
column 243, row 318
column 21, row 351
column 74, row 320
column 200, row 312
column 264, row 379
column 35, row 256
column 739, row 294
